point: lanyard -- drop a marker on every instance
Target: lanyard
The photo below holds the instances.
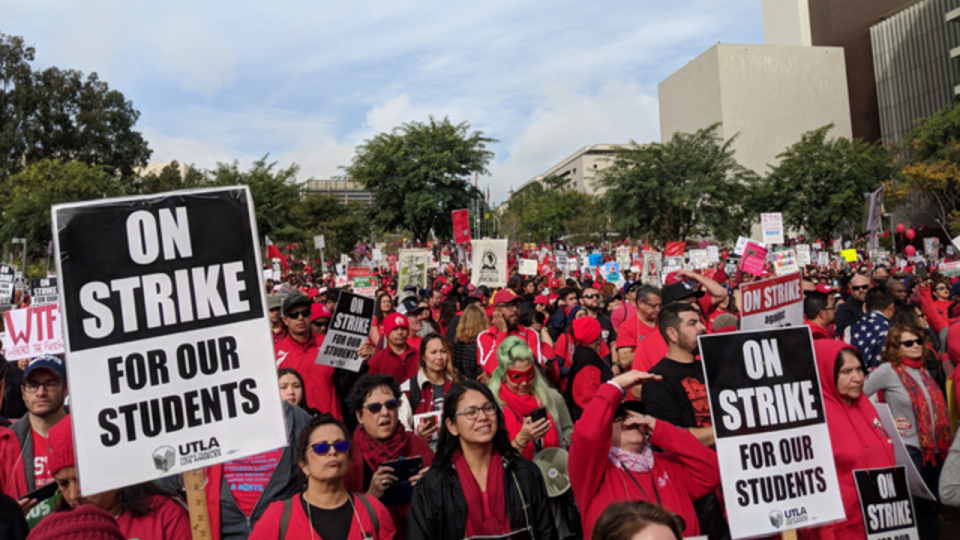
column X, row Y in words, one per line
column 652, row 481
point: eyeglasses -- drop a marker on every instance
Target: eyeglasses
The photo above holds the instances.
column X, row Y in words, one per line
column 489, row 409
column 910, row 343
column 859, row 287
column 591, row 296
column 322, row 449
column 518, row 376
column 305, row 313
column 653, row 306
column 32, row 387
column 390, row 404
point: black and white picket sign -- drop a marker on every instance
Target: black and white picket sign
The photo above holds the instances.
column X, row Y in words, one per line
column 772, row 441
column 169, row 357
column 43, row 291
column 888, row 511
column 7, row 279
column 349, row 328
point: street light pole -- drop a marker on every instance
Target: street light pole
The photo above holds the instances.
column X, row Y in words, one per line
column 23, row 269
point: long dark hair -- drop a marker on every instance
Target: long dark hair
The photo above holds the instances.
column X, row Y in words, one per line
column 449, row 442
column 290, row 371
column 139, row 499
column 448, row 310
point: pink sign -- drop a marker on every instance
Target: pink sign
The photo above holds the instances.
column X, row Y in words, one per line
column 754, row 256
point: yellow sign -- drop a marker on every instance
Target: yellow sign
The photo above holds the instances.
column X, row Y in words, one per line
column 849, row 255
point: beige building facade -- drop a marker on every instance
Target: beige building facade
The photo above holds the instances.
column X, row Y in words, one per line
column 579, row 170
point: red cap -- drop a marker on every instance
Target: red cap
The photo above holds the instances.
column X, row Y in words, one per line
column 320, row 311
column 311, row 293
column 394, row 321
column 542, row 299
column 597, row 285
column 554, row 283
column 61, row 446
column 586, row 330
column 445, row 290
column 506, row 296
column 672, row 278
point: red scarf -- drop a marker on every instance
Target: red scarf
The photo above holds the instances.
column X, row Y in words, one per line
column 932, row 441
column 519, row 406
column 490, row 519
column 375, row 453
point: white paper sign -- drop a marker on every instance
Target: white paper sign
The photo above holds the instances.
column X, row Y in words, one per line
column 785, row 262
column 32, row 331
column 528, row 267
column 349, row 327
column 823, row 259
column 699, row 259
column 319, row 242
column 803, row 254
column 413, row 265
column 741, row 245
column 489, row 263
column 772, row 225
column 713, row 254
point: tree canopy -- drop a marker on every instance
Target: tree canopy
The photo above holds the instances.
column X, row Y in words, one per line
column 689, row 185
column 60, row 114
column 542, row 211
column 419, row 173
column 343, row 225
column 171, row 178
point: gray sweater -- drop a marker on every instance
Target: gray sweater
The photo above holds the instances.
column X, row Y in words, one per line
column 950, row 477
column 885, row 378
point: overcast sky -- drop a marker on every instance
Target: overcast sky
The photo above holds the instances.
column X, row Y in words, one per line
column 306, row 81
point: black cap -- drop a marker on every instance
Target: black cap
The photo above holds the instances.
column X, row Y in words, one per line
column 680, row 290
column 294, row 300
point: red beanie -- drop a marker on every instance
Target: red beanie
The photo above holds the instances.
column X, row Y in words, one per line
column 61, row 446
column 586, row 330
column 394, row 321
column 85, row 522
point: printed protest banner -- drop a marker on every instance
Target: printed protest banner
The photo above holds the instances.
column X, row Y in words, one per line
column 754, row 256
column 880, row 256
column 319, row 242
column 652, row 265
column 772, row 441
column 849, row 255
column 785, row 262
column 595, row 260
column 823, row 259
column 528, row 267
column 489, row 263
column 915, row 483
column 32, row 331
column 803, row 254
column 713, row 254
column 7, row 279
column 43, row 291
column 950, row 269
column 741, row 245
column 772, row 303
column 413, row 268
column 461, row 226
column 611, row 272
column 165, row 328
column 573, row 263
column 354, row 272
column 348, row 328
column 888, row 511
column 365, row 286
column 699, row 259
column 623, row 256
column 671, row 264
column 377, row 254
column 772, row 225
column 561, row 257
column 931, row 246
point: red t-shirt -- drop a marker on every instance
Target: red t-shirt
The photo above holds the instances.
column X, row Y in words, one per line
column 169, row 520
column 648, row 344
column 41, row 453
column 248, row 478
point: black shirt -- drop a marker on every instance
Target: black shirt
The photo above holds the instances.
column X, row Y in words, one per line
column 331, row 524
column 681, row 397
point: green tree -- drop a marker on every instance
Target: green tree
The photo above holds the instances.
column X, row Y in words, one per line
column 419, row 173
column 543, row 210
column 819, row 184
column 689, row 185
column 60, row 114
column 343, row 225
column 171, row 178
column 26, row 203
column 275, row 193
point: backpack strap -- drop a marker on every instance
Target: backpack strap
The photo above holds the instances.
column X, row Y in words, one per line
column 285, row 520
column 370, row 512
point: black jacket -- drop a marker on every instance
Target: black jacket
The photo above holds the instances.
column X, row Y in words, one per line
column 11, row 400
column 439, row 510
column 847, row 313
column 465, row 360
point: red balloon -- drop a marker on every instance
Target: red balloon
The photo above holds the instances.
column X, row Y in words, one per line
column 901, row 227
column 911, row 234
column 911, row 251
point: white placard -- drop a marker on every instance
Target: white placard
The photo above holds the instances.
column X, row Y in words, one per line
column 319, row 242
column 772, row 303
column 413, row 265
column 741, row 245
column 772, row 225
column 713, row 254
column 349, row 327
column 32, row 331
column 699, row 259
column 489, row 263
column 528, row 267
column 803, row 254
column 785, row 262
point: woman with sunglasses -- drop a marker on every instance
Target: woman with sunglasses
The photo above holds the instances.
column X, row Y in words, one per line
column 381, row 438
column 326, row 509
column 912, row 394
column 479, row 485
column 941, row 295
column 520, row 388
column 611, row 459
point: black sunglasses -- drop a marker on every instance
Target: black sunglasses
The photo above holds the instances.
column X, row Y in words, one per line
column 859, row 288
column 390, row 404
column 322, row 449
column 910, row 342
column 591, row 296
column 297, row 314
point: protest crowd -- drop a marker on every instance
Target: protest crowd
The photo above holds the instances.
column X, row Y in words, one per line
column 553, row 392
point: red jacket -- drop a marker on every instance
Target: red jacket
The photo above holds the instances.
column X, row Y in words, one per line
column 399, row 366
column 491, row 338
column 321, row 390
column 818, row 331
column 686, row 471
column 268, row 528
column 9, row 459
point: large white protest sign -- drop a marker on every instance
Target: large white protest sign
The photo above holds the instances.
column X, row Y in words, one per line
column 319, row 242
column 772, row 441
column 32, row 331
column 43, row 291
column 413, row 265
column 528, row 267
column 652, row 263
column 7, row 278
column 166, row 334
column 772, row 225
column 803, row 254
column 785, row 262
column 623, row 256
column 489, row 263
column 349, row 327
column 771, row 303
column 699, row 259
column 670, row 265
column 713, row 254
column 888, row 511
column 823, row 259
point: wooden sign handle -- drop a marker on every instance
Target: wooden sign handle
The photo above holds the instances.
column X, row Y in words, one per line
column 197, row 505
column 789, row 535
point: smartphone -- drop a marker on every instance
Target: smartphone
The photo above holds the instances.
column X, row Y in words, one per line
column 430, row 422
column 42, row 493
column 538, row 414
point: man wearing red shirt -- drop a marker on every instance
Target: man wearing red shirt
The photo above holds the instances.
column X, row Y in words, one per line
column 275, row 309
column 639, row 343
column 818, row 309
column 398, row 359
column 299, row 351
column 506, row 323
column 435, row 299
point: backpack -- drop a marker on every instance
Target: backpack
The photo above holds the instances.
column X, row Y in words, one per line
column 288, row 508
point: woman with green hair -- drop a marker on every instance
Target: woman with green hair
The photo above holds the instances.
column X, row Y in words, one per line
column 520, row 388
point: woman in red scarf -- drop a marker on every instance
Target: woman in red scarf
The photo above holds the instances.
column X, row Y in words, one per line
column 858, row 438
column 912, row 394
column 520, row 389
column 380, row 437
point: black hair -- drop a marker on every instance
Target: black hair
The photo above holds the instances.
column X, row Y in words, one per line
column 838, row 362
column 670, row 317
column 449, row 442
column 303, row 443
column 367, row 384
column 878, row 299
column 290, row 371
column 448, row 310
column 567, row 291
column 813, row 303
column 531, row 317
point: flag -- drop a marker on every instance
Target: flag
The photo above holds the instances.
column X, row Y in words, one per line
column 273, row 252
column 675, row 249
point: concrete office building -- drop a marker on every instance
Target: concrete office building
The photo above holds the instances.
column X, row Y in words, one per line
column 915, row 64
column 344, row 190
column 579, row 170
column 766, row 95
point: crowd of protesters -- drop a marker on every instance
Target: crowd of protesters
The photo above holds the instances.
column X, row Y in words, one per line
column 463, row 387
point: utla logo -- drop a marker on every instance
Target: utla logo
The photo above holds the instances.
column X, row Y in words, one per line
column 198, row 446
